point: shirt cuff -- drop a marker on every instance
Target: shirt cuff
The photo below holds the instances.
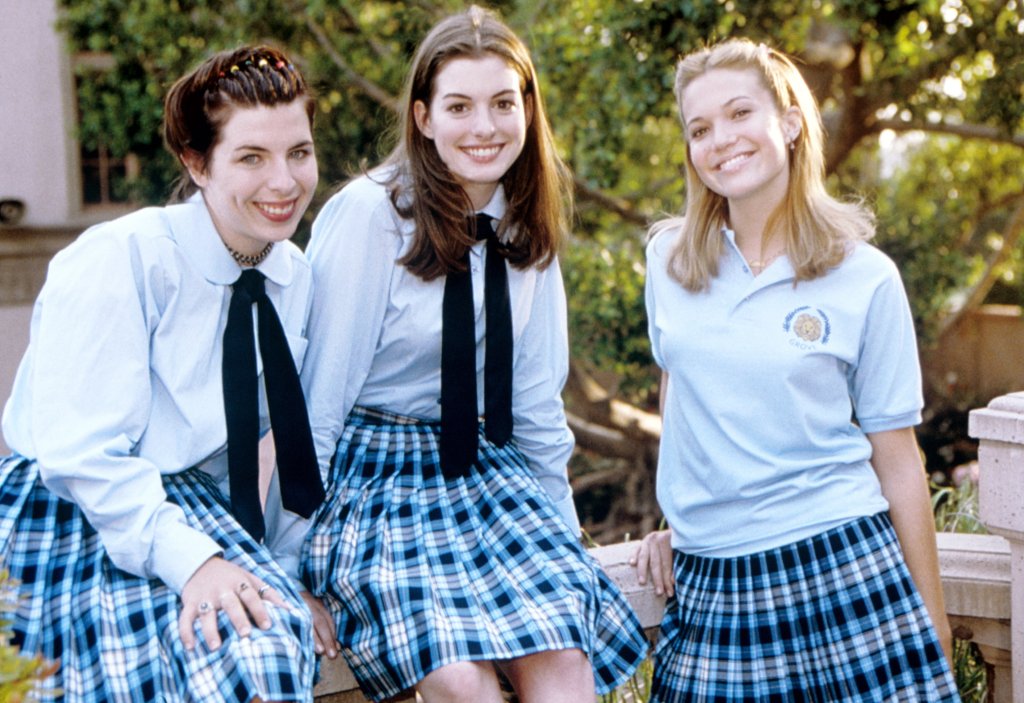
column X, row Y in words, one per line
column 566, row 509
column 191, row 549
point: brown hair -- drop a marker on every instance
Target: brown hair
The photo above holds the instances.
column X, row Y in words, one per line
column 197, row 105
column 816, row 227
column 422, row 187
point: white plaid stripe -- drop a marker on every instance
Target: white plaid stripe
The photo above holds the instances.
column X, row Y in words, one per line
column 420, row 573
column 834, row 618
column 116, row 635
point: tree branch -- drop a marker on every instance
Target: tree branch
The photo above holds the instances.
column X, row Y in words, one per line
column 620, row 207
column 976, row 296
column 968, row 131
column 376, row 93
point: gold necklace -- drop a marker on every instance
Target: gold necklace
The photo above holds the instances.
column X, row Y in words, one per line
column 249, row 259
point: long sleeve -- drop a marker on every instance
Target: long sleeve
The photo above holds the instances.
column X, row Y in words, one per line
column 353, row 251
column 540, row 370
column 92, row 401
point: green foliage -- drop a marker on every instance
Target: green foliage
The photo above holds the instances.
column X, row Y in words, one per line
column 606, row 72
column 19, row 676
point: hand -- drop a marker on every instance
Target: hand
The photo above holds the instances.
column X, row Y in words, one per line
column 221, row 585
column 325, row 639
column 654, row 555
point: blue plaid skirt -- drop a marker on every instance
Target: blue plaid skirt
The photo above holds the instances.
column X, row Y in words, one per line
column 115, row 635
column 834, row 618
column 420, row 573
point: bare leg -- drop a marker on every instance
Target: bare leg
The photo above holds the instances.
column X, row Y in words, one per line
column 461, row 682
column 559, row 676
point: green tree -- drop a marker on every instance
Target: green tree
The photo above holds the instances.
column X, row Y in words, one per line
column 922, row 99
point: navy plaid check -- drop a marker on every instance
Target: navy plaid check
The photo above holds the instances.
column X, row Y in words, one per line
column 116, row 635
column 834, row 618
column 421, row 572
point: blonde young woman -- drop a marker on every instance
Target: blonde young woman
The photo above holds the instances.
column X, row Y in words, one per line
column 801, row 550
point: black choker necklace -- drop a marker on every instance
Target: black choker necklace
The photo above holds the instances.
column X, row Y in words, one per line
column 249, row 259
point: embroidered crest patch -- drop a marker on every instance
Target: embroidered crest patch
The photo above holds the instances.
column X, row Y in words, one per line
column 808, row 327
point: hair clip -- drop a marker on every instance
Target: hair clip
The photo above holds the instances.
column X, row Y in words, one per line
column 262, row 63
column 234, row 68
column 220, row 74
column 279, row 64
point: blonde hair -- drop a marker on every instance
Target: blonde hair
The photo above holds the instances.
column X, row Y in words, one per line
column 816, row 227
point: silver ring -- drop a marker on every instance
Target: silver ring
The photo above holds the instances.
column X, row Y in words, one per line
column 262, row 589
column 242, row 587
column 205, row 607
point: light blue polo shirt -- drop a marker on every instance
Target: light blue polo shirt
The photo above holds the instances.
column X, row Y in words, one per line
column 760, row 447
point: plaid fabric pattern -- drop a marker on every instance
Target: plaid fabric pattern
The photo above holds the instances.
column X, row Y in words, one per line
column 420, row 573
column 834, row 618
column 116, row 635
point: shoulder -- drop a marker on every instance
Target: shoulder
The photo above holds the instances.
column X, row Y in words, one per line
column 662, row 238
column 107, row 244
column 867, row 262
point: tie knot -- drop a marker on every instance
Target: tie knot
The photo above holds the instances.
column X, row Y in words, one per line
column 251, row 281
column 480, row 226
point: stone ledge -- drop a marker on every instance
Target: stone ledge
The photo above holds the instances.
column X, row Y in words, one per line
column 1002, row 420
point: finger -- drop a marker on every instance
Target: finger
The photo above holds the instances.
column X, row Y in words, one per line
column 656, row 570
column 642, row 562
column 668, row 576
column 208, row 624
column 185, row 620
column 270, row 594
column 236, row 613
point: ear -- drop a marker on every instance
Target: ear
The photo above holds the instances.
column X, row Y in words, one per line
column 792, row 123
column 528, row 108
column 194, row 163
column 421, row 114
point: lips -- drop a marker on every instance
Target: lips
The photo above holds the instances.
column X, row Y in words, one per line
column 277, row 212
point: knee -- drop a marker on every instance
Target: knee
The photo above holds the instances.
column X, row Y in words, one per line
column 461, row 682
column 570, row 667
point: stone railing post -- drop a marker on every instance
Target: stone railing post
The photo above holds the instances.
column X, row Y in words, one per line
column 1000, row 427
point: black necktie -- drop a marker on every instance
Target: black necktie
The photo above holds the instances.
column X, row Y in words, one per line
column 458, row 358
column 301, row 488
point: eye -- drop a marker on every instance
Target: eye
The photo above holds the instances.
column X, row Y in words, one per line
column 505, row 104
column 250, row 159
column 457, row 108
column 698, row 132
column 300, row 154
column 741, row 112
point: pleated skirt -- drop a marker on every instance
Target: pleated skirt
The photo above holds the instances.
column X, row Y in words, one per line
column 115, row 635
column 834, row 618
column 420, row 573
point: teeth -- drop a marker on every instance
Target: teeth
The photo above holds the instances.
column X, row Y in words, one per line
column 733, row 161
column 483, row 152
column 276, row 210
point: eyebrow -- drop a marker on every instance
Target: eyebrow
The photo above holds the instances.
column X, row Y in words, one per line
column 460, row 96
column 727, row 103
column 256, row 147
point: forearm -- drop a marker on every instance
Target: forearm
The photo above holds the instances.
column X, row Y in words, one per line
column 904, row 485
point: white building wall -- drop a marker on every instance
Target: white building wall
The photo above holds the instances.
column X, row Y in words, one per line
column 39, row 163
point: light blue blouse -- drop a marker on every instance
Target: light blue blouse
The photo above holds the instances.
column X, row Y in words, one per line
column 122, row 381
column 375, row 334
column 759, row 448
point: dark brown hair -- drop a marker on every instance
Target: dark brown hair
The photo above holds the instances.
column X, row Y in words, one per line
column 422, row 187
column 197, row 105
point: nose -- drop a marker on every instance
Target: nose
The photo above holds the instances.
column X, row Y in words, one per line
column 281, row 178
column 722, row 137
column 483, row 123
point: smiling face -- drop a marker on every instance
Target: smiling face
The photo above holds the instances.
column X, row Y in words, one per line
column 261, row 175
column 477, row 119
column 738, row 138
